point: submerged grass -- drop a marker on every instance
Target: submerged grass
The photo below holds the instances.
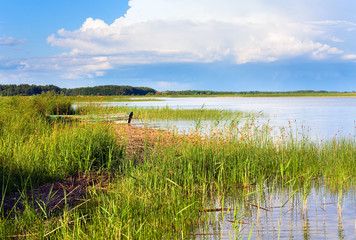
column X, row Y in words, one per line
column 161, row 192
column 237, row 94
column 165, row 113
column 268, row 94
column 97, row 99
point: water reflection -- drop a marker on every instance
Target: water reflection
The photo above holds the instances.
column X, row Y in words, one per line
column 317, row 212
column 281, row 214
column 324, row 117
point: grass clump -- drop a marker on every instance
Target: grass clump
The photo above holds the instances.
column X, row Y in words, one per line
column 160, row 192
column 32, row 149
column 99, row 99
column 165, row 113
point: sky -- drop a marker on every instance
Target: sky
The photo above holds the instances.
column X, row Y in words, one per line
column 221, row 45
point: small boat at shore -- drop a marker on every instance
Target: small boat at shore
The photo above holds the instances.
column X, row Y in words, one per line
column 119, row 117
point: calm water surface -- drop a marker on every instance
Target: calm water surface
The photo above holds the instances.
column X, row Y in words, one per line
column 324, row 117
column 320, row 118
column 282, row 217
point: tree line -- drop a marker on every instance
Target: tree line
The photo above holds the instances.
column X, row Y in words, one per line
column 207, row 92
column 116, row 90
column 107, row 90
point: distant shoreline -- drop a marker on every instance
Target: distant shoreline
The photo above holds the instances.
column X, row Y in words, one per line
column 117, row 91
column 266, row 95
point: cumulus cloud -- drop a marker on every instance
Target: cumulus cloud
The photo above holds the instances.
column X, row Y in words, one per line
column 79, row 67
column 10, row 41
column 340, row 23
column 170, row 85
column 349, row 57
column 63, row 67
column 13, row 71
column 197, row 31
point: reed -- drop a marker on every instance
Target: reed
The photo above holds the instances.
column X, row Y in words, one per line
column 160, row 192
column 32, row 149
column 100, row 99
column 268, row 94
column 164, row 113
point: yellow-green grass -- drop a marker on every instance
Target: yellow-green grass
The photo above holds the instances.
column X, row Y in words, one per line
column 161, row 193
column 33, row 149
column 163, row 196
column 269, row 94
column 165, row 113
column 99, row 99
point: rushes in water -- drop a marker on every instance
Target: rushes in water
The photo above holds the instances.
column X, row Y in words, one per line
column 159, row 192
column 164, row 113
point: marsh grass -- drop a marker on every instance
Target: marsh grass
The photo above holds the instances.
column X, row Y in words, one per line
column 98, row 99
column 269, row 94
column 32, row 149
column 164, row 113
column 161, row 193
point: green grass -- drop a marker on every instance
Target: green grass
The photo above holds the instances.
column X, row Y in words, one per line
column 160, row 194
column 329, row 94
column 269, row 94
column 99, row 99
column 165, row 113
column 32, row 149
column 96, row 99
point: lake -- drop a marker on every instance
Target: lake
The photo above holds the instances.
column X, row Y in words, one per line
column 327, row 214
column 323, row 117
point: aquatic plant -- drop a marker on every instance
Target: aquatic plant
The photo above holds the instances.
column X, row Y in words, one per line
column 162, row 188
column 164, row 113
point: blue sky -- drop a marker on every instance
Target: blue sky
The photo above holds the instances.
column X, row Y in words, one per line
column 230, row 45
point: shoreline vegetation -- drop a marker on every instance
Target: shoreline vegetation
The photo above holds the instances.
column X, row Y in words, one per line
column 118, row 93
column 73, row 180
column 166, row 113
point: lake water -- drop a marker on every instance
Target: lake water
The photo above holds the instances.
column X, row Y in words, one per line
column 320, row 118
column 281, row 216
column 324, row 117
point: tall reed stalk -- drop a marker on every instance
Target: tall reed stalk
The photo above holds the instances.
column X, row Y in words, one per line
column 161, row 193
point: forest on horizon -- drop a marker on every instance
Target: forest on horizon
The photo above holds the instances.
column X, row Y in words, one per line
column 117, row 90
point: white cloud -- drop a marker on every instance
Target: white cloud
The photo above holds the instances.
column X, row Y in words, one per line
column 325, row 51
column 201, row 30
column 198, row 31
column 63, row 66
column 10, row 41
column 337, row 40
column 89, row 68
column 167, row 85
column 334, row 23
column 349, row 57
column 170, row 85
column 73, row 67
column 14, row 77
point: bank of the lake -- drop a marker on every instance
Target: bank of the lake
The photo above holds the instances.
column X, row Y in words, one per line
column 318, row 117
column 157, row 96
column 158, row 184
column 267, row 94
